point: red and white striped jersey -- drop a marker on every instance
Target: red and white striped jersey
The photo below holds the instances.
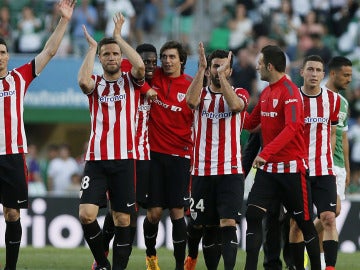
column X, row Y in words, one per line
column 217, row 149
column 320, row 112
column 113, row 106
column 142, row 136
column 12, row 92
column 142, row 119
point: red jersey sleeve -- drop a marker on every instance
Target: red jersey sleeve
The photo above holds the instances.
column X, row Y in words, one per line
column 244, row 95
column 144, row 88
column 335, row 115
column 27, row 71
column 125, row 65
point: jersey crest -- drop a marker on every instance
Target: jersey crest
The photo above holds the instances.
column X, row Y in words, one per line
column 180, row 96
column 275, row 102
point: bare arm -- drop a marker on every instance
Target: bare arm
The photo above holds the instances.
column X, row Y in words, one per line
column 66, row 8
column 235, row 103
column 138, row 67
column 193, row 92
column 85, row 81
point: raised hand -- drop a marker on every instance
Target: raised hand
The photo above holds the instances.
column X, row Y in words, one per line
column 119, row 20
column 66, row 8
column 226, row 64
column 202, row 56
column 91, row 41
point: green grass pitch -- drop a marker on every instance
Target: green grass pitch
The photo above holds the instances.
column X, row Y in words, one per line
column 50, row 258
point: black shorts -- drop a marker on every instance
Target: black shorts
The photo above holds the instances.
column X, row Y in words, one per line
column 216, row 197
column 13, row 181
column 169, row 181
column 293, row 189
column 323, row 191
column 142, row 182
column 113, row 176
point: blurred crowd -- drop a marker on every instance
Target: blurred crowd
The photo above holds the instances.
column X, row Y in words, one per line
column 301, row 28
column 55, row 172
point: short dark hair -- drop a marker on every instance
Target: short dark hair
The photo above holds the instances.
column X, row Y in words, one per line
column 219, row 54
column 275, row 56
column 337, row 62
column 172, row 44
column 146, row 47
column 3, row 42
column 314, row 57
column 105, row 41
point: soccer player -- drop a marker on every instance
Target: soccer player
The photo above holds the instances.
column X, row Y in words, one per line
column 217, row 174
column 195, row 232
column 148, row 54
column 170, row 131
column 113, row 99
column 281, row 163
column 321, row 110
column 13, row 144
column 340, row 76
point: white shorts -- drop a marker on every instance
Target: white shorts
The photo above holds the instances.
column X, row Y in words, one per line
column 340, row 181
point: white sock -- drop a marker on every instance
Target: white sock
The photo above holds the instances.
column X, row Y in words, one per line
column 322, row 258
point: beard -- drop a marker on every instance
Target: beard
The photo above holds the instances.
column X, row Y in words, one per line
column 215, row 81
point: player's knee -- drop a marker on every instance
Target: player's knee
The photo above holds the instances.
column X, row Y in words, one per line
column 328, row 219
column 224, row 222
column 295, row 232
column 86, row 217
column 11, row 214
column 154, row 215
column 121, row 219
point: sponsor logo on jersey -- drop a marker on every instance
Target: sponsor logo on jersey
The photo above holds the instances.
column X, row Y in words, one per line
column 7, row 93
column 321, row 120
column 160, row 103
column 107, row 99
column 144, row 108
column 291, row 100
column 342, row 118
column 269, row 114
column 167, row 106
column 212, row 115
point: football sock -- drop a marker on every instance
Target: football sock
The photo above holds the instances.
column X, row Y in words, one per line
column 311, row 240
column 211, row 247
column 93, row 236
column 229, row 246
column 12, row 241
column 122, row 247
column 330, row 251
column 194, row 235
column 297, row 253
column 254, row 216
column 150, row 234
column 108, row 230
column 179, row 241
